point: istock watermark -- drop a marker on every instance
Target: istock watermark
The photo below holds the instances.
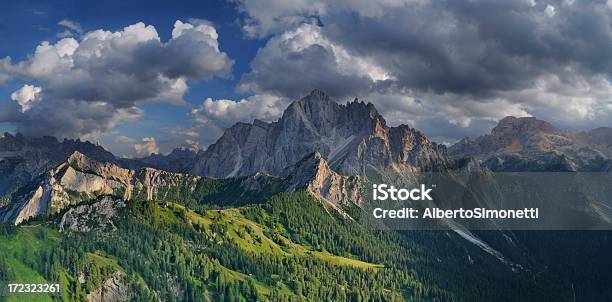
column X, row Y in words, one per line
column 489, row 201
column 385, row 191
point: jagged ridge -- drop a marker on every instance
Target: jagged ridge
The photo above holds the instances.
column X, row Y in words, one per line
column 313, row 174
column 352, row 137
column 23, row 159
column 80, row 179
column 529, row 144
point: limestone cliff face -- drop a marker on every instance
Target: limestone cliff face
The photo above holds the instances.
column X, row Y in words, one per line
column 153, row 183
column 23, row 159
column 352, row 138
column 84, row 175
column 32, row 205
column 348, row 139
column 80, row 178
column 529, row 144
column 313, row 174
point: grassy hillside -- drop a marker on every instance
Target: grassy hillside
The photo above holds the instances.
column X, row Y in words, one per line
column 288, row 248
column 174, row 253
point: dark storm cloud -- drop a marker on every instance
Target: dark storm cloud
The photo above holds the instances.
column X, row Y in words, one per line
column 466, row 47
column 306, row 69
column 479, row 47
column 431, row 48
column 68, row 118
column 466, row 61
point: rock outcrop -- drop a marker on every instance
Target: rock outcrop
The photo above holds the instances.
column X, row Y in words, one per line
column 313, row 174
column 102, row 186
column 113, row 289
column 23, row 159
column 80, row 179
column 96, row 217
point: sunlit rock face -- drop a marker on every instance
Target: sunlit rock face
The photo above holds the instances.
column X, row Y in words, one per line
column 351, row 138
column 81, row 179
column 314, row 175
column 22, row 159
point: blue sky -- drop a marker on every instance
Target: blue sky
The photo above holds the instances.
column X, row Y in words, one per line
column 127, row 74
column 28, row 23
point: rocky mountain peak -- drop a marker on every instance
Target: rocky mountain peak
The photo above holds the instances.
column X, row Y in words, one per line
column 511, row 125
column 309, row 166
column 314, row 174
column 50, row 149
column 601, row 136
column 323, row 112
column 24, row 158
column 9, row 142
column 351, row 137
column 83, row 179
column 512, row 135
column 530, row 144
column 318, row 93
column 82, row 163
column 316, row 108
column 77, row 158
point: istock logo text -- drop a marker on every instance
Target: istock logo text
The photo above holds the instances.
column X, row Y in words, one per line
column 384, row 192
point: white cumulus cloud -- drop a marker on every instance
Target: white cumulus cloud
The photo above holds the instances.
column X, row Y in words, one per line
column 26, row 96
column 550, row 10
column 224, row 113
column 146, row 147
column 71, row 25
column 303, row 59
column 191, row 144
column 104, row 74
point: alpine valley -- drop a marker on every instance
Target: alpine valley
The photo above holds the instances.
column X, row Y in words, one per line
column 270, row 212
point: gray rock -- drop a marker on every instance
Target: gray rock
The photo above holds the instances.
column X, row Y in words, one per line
column 82, row 179
column 529, row 144
column 352, row 138
column 96, row 217
column 113, row 289
column 23, row 159
column 314, row 175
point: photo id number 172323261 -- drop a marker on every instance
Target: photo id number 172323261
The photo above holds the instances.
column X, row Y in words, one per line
column 17, row 288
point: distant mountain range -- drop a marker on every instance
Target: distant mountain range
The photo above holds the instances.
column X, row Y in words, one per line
column 529, row 144
column 251, row 192
column 80, row 180
column 354, row 138
column 350, row 139
column 179, row 160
